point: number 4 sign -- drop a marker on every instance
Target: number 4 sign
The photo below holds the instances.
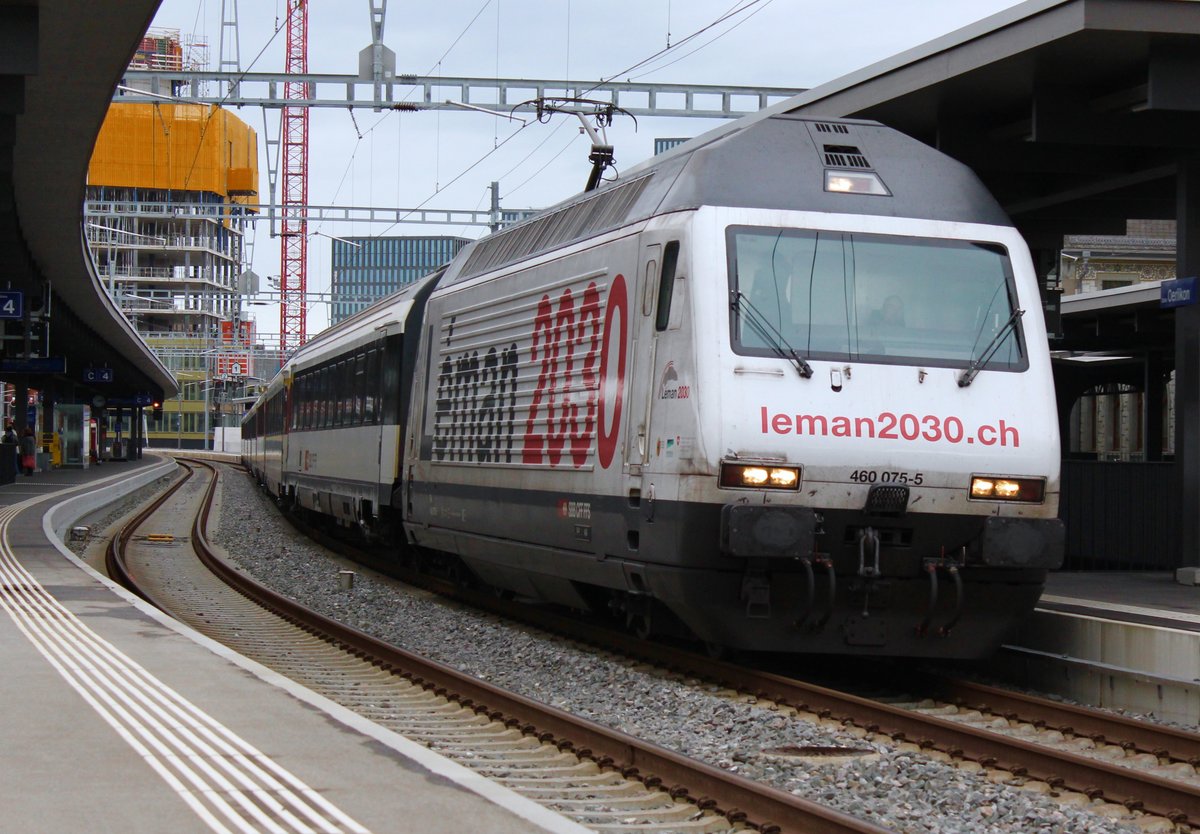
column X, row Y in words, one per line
column 11, row 304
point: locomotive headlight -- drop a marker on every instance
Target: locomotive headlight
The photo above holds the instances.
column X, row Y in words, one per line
column 757, row 476
column 855, row 182
column 998, row 488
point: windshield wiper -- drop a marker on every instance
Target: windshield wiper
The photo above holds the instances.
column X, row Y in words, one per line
column 973, row 369
column 774, row 339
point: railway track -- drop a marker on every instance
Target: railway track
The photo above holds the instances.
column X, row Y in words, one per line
column 1092, row 754
column 604, row 779
column 1070, row 749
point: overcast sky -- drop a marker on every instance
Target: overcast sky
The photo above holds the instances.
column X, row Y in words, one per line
column 411, row 159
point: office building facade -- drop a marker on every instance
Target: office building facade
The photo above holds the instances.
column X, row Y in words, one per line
column 366, row 269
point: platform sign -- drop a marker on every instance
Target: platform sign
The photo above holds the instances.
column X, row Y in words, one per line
column 12, row 304
column 1178, row 293
column 98, row 375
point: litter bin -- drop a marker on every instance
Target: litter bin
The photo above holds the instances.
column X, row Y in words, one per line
column 118, row 450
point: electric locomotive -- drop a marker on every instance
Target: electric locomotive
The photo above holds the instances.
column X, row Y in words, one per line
column 787, row 386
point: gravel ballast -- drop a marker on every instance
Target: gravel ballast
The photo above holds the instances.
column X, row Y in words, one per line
column 892, row 786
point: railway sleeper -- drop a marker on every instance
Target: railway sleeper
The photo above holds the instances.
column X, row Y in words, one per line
column 642, row 799
column 614, row 789
column 707, row 825
column 511, row 739
column 668, row 812
column 581, row 775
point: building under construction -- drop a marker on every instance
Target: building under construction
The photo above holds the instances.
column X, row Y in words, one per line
column 166, row 217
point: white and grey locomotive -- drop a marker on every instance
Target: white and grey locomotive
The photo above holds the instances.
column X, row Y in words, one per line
column 787, row 385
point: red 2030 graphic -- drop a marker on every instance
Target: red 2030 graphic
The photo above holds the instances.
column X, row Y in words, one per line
column 571, row 402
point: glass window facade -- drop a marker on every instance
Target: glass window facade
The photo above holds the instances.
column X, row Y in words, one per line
column 366, row 269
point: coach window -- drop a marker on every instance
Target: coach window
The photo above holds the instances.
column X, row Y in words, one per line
column 327, row 407
column 346, row 391
column 666, row 286
column 360, row 388
column 310, row 397
column 299, row 403
column 337, row 386
column 372, row 380
column 310, row 419
column 315, row 392
column 327, row 410
column 331, row 396
column 304, row 408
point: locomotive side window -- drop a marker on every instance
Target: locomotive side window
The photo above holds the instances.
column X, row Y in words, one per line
column 873, row 298
column 666, row 284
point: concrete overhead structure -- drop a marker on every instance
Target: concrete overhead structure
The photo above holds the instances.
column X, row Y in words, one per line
column 59, row 63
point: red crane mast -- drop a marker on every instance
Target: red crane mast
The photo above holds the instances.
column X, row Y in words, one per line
column 293, row 312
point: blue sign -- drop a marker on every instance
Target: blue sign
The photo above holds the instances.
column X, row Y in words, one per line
column 43, row 365
column 12, row 304
column 98, row 375
column 1178, row 293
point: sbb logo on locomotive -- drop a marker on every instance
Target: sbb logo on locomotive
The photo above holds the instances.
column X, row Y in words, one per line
column 568, row 403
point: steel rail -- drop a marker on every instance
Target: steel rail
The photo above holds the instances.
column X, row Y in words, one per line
column 1147, row 737
column 114, row 554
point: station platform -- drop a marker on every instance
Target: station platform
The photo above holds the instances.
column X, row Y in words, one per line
column 1127, row 640
column 1149, row 598
column 113, row 717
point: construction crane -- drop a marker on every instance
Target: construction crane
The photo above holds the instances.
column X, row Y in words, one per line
column 293, row 281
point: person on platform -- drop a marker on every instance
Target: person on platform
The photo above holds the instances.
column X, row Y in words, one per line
column 10, row 459
column 28, row 450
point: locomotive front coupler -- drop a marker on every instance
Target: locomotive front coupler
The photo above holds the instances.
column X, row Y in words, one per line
column 868, row 564
column 868, row 547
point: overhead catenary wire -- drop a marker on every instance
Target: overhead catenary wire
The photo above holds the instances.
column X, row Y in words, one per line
column 544, row 166
column 704, row 45
column 736, row 9
column 457, row 177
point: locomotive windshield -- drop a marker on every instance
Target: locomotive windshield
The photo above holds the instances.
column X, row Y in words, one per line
column 873, row 298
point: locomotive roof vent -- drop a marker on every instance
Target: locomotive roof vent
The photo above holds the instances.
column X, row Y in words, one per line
column 845, row 156
column 827, row 127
